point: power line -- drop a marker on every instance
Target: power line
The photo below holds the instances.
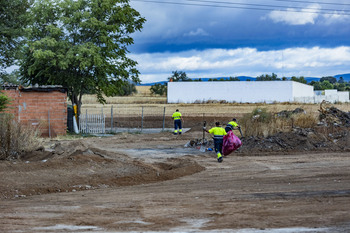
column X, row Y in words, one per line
column 258, row 7
column 264, row 5
column 321, row 3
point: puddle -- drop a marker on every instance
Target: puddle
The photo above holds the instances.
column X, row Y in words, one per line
column 332, row 193
column 68, row 228
column 160, row 153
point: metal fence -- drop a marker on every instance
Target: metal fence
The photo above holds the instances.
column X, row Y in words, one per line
column 92, row 123
column 147, row 118
column 122, row 118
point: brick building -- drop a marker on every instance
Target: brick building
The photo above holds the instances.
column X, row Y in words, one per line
column 42, row 107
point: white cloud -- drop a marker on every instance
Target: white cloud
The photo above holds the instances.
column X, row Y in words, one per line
column 304, row 16
column 198, row 32
column 211, row 63
column 335, row 17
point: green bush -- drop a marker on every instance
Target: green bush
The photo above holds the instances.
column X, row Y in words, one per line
column 4, row 101
column 158, row 89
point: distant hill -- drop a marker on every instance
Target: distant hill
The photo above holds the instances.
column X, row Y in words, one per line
column 346, row 78
column 151, row 84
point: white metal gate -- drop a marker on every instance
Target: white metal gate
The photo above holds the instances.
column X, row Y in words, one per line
column 92, row 123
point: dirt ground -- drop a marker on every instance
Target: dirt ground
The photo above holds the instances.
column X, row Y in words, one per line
column 292, row 182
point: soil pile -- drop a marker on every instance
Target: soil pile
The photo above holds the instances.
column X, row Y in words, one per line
column 74, row 165
column 298, row 140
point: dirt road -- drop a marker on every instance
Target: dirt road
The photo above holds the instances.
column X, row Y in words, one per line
column 144, row 183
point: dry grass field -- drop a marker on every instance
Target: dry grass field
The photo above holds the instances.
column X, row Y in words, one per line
column 132, row 105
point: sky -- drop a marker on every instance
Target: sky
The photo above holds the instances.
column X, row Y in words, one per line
column 230, row 38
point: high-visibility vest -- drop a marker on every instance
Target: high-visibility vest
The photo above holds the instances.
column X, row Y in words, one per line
column 234, row 124
column 218, row 132
column 177, row 115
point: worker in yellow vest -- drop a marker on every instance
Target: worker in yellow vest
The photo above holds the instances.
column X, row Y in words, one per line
column 232, row 125
column 218, row 132
column 177, row 117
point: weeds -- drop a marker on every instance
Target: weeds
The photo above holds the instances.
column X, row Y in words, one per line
column 16, row 139
column 262, row 123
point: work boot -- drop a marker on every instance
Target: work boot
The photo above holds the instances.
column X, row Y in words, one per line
column 175, row 133
column 180, row 133
column 220, row 159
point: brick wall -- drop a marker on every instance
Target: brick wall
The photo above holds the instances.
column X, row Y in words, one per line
column 40, row 108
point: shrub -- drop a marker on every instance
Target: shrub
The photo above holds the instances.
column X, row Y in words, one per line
column 260, row 122
column 4, row 101
column 16, row 139
column 158, row 89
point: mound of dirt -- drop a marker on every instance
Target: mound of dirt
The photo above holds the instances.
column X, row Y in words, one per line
column 73, row 166
column 298, row 140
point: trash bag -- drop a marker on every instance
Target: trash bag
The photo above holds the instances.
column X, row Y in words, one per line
column 231, row 143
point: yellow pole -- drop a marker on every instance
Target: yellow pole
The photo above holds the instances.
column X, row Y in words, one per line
column 75, row 109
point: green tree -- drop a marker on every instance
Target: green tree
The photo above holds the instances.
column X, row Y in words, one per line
column 326, row 85
column 339, row 86
column 158, row 89
column 81, row 45
column 301, row 79
column 178, row 76
column 13, row 19
column 317, row 85
column 330, row 79
column 128, row 89
column 233, row 79
column 11, row 78
column 267, row 77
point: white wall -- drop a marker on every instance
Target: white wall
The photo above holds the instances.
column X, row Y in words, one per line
column 251, row 92
column 302, row 90
column 343, row 96
column 332, row 96
column 237, row 91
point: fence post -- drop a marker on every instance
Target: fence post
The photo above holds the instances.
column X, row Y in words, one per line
column 49, row 123
column 100, row 121
column 86, row 121
column 142, row 120
column 104, row 124
column 112, row 119
column 163, row 119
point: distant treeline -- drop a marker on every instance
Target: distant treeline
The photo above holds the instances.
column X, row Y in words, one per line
column 328, row 82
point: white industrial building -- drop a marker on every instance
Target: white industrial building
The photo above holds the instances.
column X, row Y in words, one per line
column 250, row 92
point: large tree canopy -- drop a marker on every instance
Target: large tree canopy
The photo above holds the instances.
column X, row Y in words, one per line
column 178, row 76
column 82, row 45
column 267, row 77
column 13, row 19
